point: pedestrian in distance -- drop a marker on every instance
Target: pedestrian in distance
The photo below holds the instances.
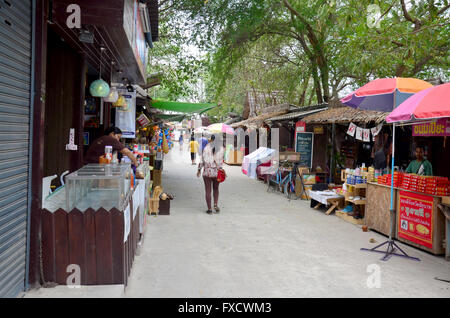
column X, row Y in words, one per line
column 193, row 145
column 180, row 140
column 211, row 162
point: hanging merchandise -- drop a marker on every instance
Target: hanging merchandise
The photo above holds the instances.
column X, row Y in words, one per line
column 165, row 145
column 99, row 88
column 351, row 129
column 112, row 97
column 143, row 120
column 120, row 102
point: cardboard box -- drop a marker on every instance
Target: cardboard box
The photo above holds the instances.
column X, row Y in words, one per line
column 235, row 157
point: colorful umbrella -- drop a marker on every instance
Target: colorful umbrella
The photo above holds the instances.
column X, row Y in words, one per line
column 434, row 102
column 384, row 94
column 221, row 128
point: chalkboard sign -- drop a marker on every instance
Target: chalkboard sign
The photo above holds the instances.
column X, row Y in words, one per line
column 304, row 145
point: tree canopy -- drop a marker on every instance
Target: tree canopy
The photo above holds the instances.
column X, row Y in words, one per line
column 313, row 50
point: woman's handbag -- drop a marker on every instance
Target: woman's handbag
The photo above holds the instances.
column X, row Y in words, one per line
column 221, row 175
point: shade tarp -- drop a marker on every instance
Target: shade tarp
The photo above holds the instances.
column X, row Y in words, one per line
column 171, row 117
column 181, row 107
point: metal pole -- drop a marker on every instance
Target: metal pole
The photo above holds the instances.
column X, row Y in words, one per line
column 333, row 134
column 392, row 183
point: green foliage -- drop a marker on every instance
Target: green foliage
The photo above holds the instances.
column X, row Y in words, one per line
column 312, row 50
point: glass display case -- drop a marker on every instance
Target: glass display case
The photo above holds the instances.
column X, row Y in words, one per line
column 98, row 186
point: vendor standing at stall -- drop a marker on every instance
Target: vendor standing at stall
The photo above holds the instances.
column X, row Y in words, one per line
column 421, row 166
column 111, row 138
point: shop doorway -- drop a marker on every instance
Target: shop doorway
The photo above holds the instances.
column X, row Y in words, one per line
column 64, row 107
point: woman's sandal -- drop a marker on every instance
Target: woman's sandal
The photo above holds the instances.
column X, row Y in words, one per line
column 209, row 211
column 216, row 209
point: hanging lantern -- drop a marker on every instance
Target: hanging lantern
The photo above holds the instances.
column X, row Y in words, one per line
column 112, row 97
column 113, row 93
column 120, row 101
column 99, row 88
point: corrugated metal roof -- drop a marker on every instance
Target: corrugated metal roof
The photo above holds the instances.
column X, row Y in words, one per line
column 295, row 115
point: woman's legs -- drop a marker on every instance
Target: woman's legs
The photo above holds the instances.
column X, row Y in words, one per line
column 207, row 191
column 215, row 190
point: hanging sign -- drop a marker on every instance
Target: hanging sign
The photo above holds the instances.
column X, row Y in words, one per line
column 376, row 130
column 318, row 130
column 415, row 218
column 304, row 145
column 359, row 133
column 351, row 129
column 439, row 128
column 300, row 126
column 71, row 145
column 366, row 135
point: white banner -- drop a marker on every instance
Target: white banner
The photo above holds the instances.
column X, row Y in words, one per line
column 359, row 133
column 351, row 129
column 366, row 135
column 376, row 130
column 126, row 225
column 136, row 200
column 126, row 116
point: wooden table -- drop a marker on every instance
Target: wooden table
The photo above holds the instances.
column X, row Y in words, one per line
column 322, row 199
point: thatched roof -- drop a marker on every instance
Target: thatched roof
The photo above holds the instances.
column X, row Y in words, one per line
column 258, row 120
column 299, row 112
column 345, row 115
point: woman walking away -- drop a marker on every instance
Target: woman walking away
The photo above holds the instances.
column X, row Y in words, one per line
column 194, row 149
column 211, row 162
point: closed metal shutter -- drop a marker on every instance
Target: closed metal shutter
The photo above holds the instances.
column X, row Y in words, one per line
column 15, row 80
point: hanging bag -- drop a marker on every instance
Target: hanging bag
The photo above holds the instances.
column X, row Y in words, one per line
column 221, row 175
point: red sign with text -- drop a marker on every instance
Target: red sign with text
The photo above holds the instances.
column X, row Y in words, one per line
column 416, row 218
column 300, row 126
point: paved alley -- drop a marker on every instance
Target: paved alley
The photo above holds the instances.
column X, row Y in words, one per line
column 261, row 245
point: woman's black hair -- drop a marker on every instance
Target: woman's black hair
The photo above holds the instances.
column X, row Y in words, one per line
column 212, row 138
column 114, row 130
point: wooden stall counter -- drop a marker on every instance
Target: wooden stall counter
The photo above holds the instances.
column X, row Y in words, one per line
column 418, row 221
column 377, row 215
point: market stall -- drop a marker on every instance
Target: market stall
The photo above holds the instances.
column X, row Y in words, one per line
column 416, row 197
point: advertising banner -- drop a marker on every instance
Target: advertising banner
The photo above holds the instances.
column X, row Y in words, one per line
column 439, row 128
column 416, row 218
column 126, row 116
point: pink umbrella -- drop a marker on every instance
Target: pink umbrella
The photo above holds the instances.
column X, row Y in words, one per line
column 433, row 102
column 221, row 128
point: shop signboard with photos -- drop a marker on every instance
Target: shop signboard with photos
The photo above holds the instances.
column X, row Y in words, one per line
column 416, row 218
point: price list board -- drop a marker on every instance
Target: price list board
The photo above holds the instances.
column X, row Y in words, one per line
column 304, row 145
